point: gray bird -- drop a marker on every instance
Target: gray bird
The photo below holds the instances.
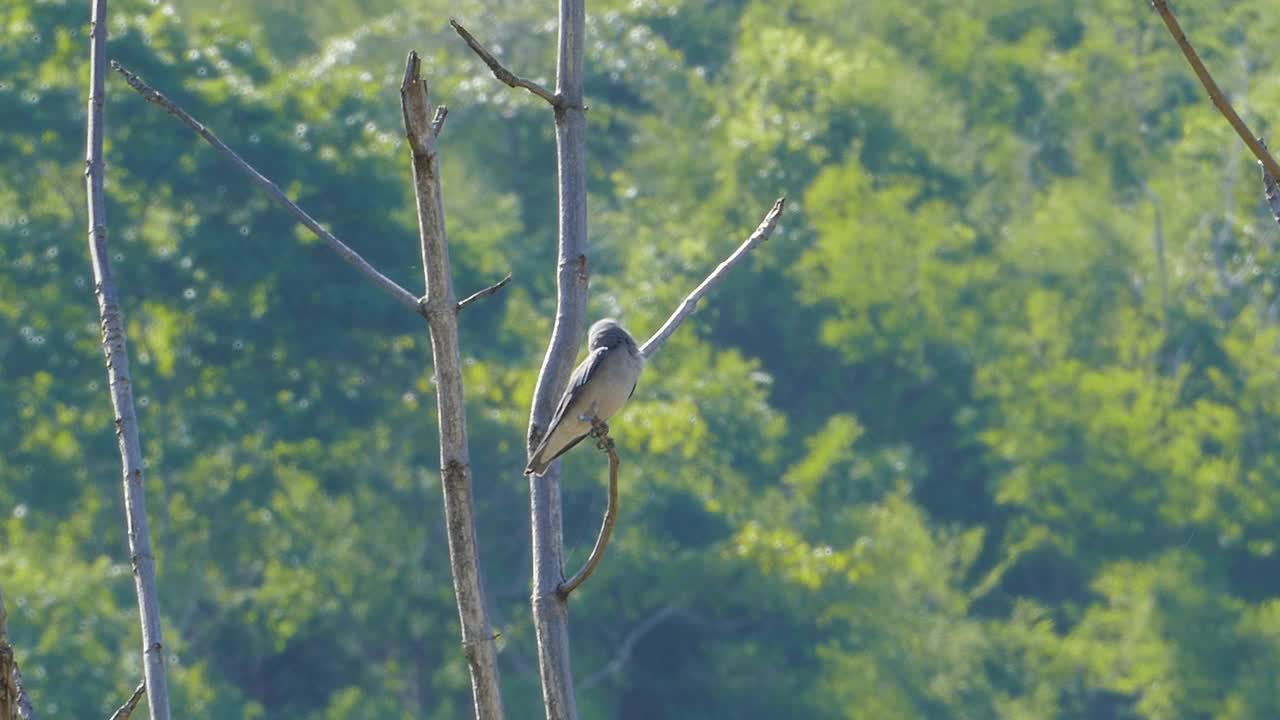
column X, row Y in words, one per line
column 600, row 386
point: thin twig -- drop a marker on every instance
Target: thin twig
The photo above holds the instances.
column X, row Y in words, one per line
column 500, row 72
column 440, row 308
column 402, row 296
column 1215, row 93
column 628, row 645
column 484, row 293
column 1161, row 269
column 687, row 307
column 437, row 121
column 600, row 431
column 119, row 384
column 127, row 709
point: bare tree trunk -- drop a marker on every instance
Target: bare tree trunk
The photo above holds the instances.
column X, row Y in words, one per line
column 441, row 310
column 117, row 358
column 550, row 607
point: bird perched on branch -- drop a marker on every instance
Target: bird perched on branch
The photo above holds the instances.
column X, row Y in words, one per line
column 600, row 386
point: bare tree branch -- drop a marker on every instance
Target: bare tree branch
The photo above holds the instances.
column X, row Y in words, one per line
column 687, row 307
column 402, row 296
column 14, row 702
column 1215, row 93
column 121, row 388
column 441, row 310
column 126, row 710
column 550, row 608
column 503, row 74
column 601, row 431
column 485, row 292
column 628, row 645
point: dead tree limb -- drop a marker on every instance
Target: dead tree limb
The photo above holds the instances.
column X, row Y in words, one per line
column 550, row 608
column 441, row 310
column 601, row 432
column 1215, row 93
column 121, row 388
column 686, row 308
column 549, row 599
column 344, row 251
column 501, row 72
column 125, row 711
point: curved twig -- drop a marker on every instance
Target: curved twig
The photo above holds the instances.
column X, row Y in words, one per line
column 353, row 258
column 1215, row 93
column 502, row 73
column 600, row 431
column 686, row 308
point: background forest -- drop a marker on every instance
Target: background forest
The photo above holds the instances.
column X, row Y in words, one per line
column 986, row 430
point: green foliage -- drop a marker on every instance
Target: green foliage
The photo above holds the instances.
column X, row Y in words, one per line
column 986, row 430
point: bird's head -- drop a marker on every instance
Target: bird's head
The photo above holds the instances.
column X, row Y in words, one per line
column 607, row 333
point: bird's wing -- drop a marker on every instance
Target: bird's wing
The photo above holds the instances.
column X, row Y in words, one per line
column 576, row 382
column 579, row 378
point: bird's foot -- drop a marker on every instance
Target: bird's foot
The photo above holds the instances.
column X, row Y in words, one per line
column 600, row 431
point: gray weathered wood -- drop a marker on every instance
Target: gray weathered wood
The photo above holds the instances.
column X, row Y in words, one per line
column 119, row 384
column 550, row 607
column 441, row 310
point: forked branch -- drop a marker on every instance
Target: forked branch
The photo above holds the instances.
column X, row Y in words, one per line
column 600, row 431
column 1220, row 101
column 386, row 284
column 686, row 308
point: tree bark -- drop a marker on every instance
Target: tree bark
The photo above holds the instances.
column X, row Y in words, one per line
column 117, row 360
column 441, row 310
